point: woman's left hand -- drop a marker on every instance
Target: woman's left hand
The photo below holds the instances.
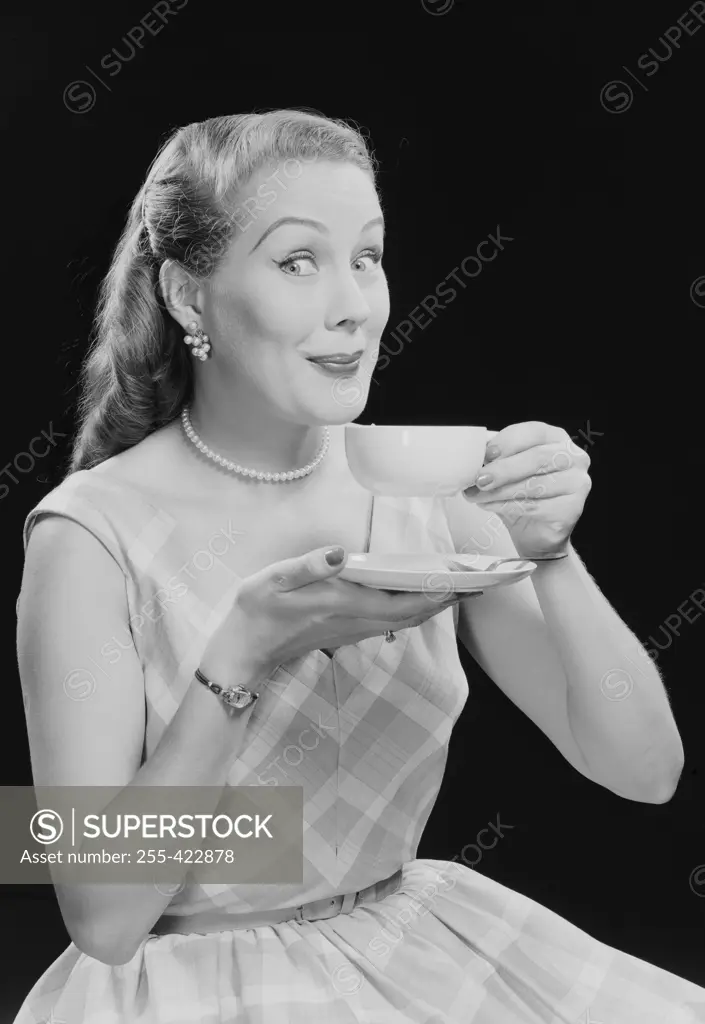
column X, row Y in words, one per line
column 538, row 485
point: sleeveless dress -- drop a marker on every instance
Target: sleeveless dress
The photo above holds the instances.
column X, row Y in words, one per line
column 450, row 945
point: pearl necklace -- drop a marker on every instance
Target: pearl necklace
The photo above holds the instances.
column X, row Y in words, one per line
column 293, row 474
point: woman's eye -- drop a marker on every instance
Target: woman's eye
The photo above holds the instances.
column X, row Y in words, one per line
column 375, row 255
column 292, row 264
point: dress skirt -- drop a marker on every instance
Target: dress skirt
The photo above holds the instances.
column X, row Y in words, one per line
column 450, row 946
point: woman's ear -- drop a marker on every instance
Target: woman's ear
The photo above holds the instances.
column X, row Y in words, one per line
column 178, row 292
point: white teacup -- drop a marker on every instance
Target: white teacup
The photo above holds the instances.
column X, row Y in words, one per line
column 417, row 461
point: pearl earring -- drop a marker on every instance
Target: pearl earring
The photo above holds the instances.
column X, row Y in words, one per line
column 199, row 340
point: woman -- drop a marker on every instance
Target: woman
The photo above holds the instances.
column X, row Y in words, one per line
column 251, row 258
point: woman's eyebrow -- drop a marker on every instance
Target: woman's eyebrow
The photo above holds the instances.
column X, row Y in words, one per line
column 307, row 222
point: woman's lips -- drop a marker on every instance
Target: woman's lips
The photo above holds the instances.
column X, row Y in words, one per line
column 336, row 369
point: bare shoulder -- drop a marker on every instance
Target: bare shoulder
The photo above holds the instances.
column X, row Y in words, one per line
column 156, row 463
column 61, row 543
column 162, row 471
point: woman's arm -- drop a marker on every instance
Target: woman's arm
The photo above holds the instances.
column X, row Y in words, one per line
column 561, row 653
column 72, row 601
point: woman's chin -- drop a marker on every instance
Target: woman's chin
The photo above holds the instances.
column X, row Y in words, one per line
column 348, row 397
column 341, row 401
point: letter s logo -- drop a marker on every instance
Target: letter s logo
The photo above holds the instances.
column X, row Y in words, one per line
column 46, row 826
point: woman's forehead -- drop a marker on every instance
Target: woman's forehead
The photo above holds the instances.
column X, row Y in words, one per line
column 336, row 195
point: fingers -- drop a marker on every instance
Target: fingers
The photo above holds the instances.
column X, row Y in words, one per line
column 417, row 620
column 358, row 601
column 409, row 606
column 311, row 567
column 378, row 628
column 415, row 616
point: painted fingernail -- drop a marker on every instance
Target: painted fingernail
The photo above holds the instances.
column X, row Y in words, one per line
column 491, row 452
column 484, row 480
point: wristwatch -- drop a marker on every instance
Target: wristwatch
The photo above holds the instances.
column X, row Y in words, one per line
column 234, row 696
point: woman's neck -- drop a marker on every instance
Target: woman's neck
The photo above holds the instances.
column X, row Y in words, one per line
column 257, row 442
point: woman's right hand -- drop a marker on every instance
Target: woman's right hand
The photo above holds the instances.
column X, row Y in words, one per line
column 297, row 605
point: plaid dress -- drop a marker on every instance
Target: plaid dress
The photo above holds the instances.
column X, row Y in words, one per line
column 450, row 946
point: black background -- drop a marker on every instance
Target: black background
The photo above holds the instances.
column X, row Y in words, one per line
column 585, row 320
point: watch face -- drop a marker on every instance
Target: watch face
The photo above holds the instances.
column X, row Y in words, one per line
column 237, row 698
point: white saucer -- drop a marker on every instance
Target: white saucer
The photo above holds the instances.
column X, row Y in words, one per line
column 427, row 572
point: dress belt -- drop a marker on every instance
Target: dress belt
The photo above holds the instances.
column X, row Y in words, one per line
column 316, row 910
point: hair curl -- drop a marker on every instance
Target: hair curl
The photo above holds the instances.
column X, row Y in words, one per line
column 137, row 372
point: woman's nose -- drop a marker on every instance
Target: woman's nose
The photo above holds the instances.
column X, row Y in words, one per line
column 348, row 305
